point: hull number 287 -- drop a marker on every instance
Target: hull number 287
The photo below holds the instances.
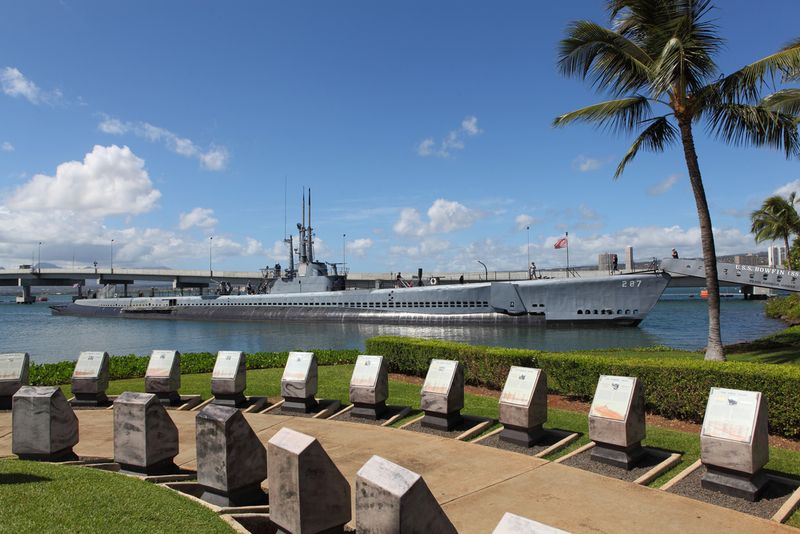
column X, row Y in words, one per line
column 631, row 283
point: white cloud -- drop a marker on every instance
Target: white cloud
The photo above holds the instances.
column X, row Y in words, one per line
column 454, row 140
column 199, row 217
column 359, row 247
column 110, row 181
column 663, row 186
column 213, row 159
column 15, row 84
column 586, row 164
column 522, row 221
column 788, row 188
column 443, row 216
column 7, row 147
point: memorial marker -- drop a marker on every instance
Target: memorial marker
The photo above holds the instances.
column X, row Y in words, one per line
column 369, row 387
column 516, row 524
column 442, row 396
column 299, row 382
column 145, row 438
column 390, row 498
column 163, row 376
column 13, row 375
column 523, row 406
column 231, row 461
column 229, row 378
column 616, row 421
column 313, row 494
column 734, row 443
column 90, row 379
column 43, row 425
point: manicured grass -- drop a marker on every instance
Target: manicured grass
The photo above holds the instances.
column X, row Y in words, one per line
column 780, row 348
column 38, row 497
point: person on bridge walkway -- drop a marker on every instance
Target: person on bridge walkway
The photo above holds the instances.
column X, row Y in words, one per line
column 674, row 254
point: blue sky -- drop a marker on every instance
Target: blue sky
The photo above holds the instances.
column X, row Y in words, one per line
column 423, row 129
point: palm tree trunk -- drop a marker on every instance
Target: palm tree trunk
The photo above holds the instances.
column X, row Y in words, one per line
column 714, row 349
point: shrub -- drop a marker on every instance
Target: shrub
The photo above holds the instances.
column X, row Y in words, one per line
column 132, row 366
column 675, row 388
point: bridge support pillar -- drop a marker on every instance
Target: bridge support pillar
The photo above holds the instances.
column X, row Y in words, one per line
column 25, row 297
column 747, row 291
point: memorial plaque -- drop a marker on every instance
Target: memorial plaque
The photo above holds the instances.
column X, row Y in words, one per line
column 369, row 387
column 442, row 396
column 390, row 498
column 523, row 406
column 734, row 443
column 731, row 414
column 13, row 375
column 616, row 421
column 43, row 425
column 90, row 379
column 229, row 378
column 145, row 437
column 163, row 376
column 612, row 398
column 516, row 524
column 313, row 494
column 299, row 382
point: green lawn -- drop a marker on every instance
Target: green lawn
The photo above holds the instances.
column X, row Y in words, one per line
column 37, row 497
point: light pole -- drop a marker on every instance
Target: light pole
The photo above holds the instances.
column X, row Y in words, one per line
column 344, row 253
column 40, row 258
column 485, row 270
column 210, row 245
column 112, row 256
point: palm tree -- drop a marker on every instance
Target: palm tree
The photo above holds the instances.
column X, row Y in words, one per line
column 659, row 53
column 776, row 219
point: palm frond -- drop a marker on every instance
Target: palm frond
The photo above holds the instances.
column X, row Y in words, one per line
column 655, row 138
column 744, row 85
column 740, row 124
column 617, row 115
column 786, row 101
column 611, row 61
column 777, row 218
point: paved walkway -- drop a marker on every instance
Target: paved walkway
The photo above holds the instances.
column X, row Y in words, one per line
column 476, row 485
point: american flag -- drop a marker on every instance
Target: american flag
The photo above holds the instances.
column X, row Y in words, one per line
column 561, row 243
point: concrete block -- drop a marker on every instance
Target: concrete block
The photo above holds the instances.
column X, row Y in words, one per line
column 734, row 442
column 229, row 378
column 90, row 379
column 299, row 382
column 523, row 406
column 231, row 461
column 616, row 421
column 163, row 376
column 145, row 438
column 43, row 425
column 390, row 498
column 369, row 387
column 307, row 493
column 442, row 396
column 13, row 375
column 516, row 524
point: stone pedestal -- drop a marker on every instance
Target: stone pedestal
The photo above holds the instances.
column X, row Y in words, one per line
column 163, row 376
column 229, row 378
column 523, row 406
column 442, row 396
column 369, row 387
column 616, row 421
column 231, row 461
column 516, row 524
column 145, row 438
column 299, row 383
column 90, row 379
column 13, row 375
column 44, row 427
column 734, row 443
column 390, row 498
column 307, row 493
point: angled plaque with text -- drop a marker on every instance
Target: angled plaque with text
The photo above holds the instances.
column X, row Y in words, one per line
column 297, row 366
column 440, row 376
column 89, row 365
column 365, row 373
column 160, row 363
column 227, row 364
column 519, row 386
column 12, row 365
column 612, row 398
column 731, row 414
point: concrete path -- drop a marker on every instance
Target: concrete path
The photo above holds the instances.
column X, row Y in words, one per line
column 475, row 484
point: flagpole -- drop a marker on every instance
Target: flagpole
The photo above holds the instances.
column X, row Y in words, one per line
column 567, row 236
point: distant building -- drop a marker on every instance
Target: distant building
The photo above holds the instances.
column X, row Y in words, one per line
column 746, row 259
column 776, row 256
column 604, row 261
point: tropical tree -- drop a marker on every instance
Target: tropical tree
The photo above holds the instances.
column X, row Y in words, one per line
column 660, row 54
column 776, row 219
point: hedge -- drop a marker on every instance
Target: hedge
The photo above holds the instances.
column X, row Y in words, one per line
column 676, row 388
column 132, row 366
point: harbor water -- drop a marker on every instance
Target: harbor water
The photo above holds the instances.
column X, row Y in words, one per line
column 675, row 322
